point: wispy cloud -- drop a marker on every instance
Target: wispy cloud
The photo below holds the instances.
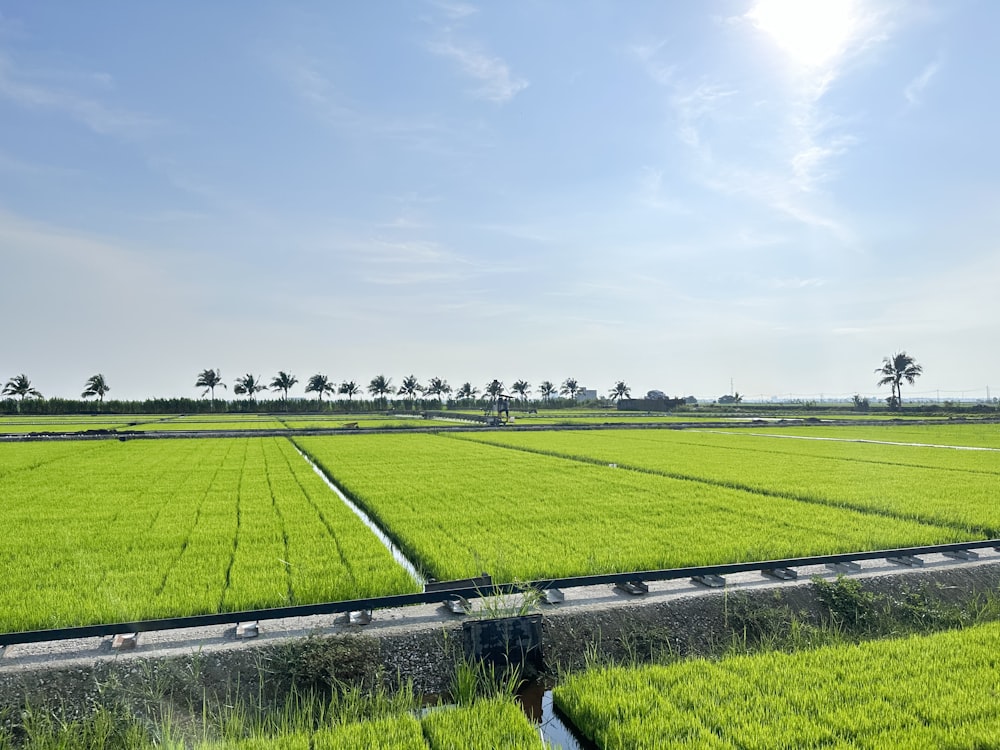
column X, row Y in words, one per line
column 24, row 89
column 811, row 162
column 772, row 138
column 496, row 82
column 693, row 105
column 455, row 10
column 648, row 56
column 653, row 195
column 12, row 164
column 88, row 255
column 308, row 80
column 914, row 90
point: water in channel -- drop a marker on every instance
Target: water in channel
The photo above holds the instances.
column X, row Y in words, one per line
column 396, row 552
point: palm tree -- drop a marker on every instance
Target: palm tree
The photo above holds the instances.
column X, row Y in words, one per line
column 521, row 388
column 283, row 382
column 209, row 379
column 249, row 385
column 437, row 387
column 546, row 389
column 570, row 387
column 467, row 391
column 410, row 388
column 320, row 384
column 620, row 391
column 96, row 386
column 380, row 386
column 19, row 385
column 894, row 370
column 350, row 389
column 493, row 389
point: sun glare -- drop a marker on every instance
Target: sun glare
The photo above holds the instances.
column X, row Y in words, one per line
column 811, row 32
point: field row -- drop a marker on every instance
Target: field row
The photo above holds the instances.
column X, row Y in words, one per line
column 487, row 724
column 935, row 485
column 460, row 507
column 212, row 422
column 119, row 531
column 919, row 692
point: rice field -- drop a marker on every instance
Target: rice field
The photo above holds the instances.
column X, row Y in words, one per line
column 931, row 691
column 459, row 507
column 111, row 531
column 101, row 531
column 935, row 485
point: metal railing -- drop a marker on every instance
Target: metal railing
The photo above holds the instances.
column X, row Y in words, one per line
column 442, row 592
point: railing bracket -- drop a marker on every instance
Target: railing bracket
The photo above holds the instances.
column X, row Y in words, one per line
column 910, row 561
column 247, row 629
column 782, row 574
column 961, row 554
column 635, row 588
column 845, row 567
column 709, row 579
column 125, row 641
column 458, row 605
column 359, row 617
column 553, row 596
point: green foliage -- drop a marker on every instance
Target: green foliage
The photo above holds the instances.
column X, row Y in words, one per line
column 934, row 485
column 328, row 665
column 112, row 531
column 96, row 386
column 524, row 516
column 107, row 728
column 922, row 691
column 491, row 724
column 894, row 370
column 248, row 385
column 474, row 680
column 391, row 733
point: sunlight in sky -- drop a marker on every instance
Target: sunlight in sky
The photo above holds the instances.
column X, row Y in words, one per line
column 776, row 192
column 812, row 33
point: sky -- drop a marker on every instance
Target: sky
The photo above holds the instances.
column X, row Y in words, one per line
column 766, row 196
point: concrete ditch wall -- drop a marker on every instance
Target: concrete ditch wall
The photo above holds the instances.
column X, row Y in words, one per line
column 424, row 643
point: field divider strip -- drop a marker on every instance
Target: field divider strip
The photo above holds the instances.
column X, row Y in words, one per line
column 861, row 440
column 380, row 533
column 984, row 531
column 845, row 459
column 469, row 592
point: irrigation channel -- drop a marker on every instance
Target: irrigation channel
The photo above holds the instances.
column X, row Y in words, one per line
column 396, row 552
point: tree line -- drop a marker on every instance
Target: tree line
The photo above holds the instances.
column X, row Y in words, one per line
column 893, row 372
column 437, row 391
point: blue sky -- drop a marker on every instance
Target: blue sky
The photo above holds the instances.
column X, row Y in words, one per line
column 774, row 193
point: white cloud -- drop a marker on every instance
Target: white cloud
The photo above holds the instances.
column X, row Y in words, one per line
column 496, row 82
column 308, row 81
column 652, row 193
column 696, row 104
column 18, row 86
column 647, row 54
column 915, row 89
column 455, row 10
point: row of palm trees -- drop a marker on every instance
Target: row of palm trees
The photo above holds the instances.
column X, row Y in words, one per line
column 894, row 370
column 381, row 387
column 21, row 387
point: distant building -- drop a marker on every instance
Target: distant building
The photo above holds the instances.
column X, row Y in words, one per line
column 586, row 394
column 649, row 404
